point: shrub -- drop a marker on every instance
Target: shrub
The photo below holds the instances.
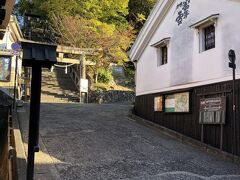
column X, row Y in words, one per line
column 104, row 76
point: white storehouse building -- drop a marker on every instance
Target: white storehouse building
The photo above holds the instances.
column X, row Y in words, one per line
column 183, row 79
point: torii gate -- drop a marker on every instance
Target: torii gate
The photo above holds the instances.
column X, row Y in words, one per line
column 83, row 52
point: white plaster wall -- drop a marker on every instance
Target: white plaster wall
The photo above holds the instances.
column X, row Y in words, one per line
column 187, row 67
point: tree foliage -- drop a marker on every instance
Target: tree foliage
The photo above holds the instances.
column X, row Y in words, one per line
column 102, row 25
column 139, row 11
column 108, row 11
column 111, row 40
column 87, row 24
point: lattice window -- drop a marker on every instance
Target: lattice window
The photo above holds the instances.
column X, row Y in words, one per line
column 209, row 35
column 164, row 53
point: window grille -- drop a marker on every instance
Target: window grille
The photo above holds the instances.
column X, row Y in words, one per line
column 209, row 33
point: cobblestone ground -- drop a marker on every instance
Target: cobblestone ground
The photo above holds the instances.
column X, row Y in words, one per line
column 82, row 142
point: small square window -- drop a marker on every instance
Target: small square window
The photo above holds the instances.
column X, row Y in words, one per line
column 209, row 37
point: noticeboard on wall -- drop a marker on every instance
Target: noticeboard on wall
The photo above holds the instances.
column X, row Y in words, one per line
column 158, row 104
column 5, row 68
column 212, row 110
column 178, row 102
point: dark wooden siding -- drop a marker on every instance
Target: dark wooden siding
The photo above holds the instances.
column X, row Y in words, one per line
column 4, row 142
column 188, row 123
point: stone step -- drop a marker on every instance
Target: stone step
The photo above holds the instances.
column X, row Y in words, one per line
column 60, row 95
column 58, row 87
column 50, row 98
column 57, row 90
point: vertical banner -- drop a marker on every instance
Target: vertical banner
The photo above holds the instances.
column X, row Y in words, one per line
column 5, row 68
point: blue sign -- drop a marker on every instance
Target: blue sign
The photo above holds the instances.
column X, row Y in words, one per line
column 15, row 46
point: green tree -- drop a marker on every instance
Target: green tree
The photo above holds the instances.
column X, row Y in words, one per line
column 110, row 41
column 101, row 25
column 108, row 11
column 139, row 11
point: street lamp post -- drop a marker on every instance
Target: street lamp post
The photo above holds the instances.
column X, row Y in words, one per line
column 232, row 64
column 39, row 51
column 38, row 56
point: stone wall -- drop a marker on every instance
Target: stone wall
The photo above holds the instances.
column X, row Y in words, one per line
column 111, row 96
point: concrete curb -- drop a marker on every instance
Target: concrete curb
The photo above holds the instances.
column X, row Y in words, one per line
column 187, row 140
column 21, row 153
column 20, row 150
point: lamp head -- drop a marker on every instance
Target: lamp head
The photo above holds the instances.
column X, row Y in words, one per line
column 232, row 56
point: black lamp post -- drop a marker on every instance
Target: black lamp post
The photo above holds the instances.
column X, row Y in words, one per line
column 232, row 64
column 37, row 56
column 39, row 51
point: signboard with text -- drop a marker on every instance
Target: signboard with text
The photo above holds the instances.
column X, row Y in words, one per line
column 84, row 85
column 212, row 110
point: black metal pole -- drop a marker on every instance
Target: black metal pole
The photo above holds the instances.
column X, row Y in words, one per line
column 232, row 64
column 15, row 83
column 34, row 119
column 234, row 114
column 80, row 74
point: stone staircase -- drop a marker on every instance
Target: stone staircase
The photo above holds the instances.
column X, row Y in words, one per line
column 58, row 87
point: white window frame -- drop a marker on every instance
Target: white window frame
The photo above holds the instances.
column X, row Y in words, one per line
column 201, row 25
column 159, row 45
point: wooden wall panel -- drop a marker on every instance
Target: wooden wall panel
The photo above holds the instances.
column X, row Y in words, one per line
column 188, row 123
column 3, row 142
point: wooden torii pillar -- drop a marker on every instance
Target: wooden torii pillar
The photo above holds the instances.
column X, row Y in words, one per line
column 81, row 63
column 82, row 75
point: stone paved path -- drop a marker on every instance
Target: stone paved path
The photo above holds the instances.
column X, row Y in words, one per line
column 88, row 142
